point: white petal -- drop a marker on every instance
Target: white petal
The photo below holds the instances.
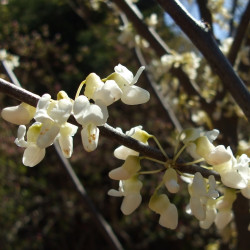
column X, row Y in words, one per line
column 130, row 203
column 170, row 178
column 124, row 72
column 218, row 156
column 210, row 217
column 133, row 95
column 17, row 114
column 90, row 137
column 80, row 105
column 61, row 111
column 43, row 103
column 119, row 174
column 66, row 145
column 33, row 155
column 123, row 152
column 47, row 135
column 169, row 218
column 223, row 218
column 19, row 141
column 109, row 93
column 233, row 180
column 246, row 191
column 116, row 193
column 197, row 209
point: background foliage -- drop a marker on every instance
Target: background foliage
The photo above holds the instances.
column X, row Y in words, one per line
column 59, row 43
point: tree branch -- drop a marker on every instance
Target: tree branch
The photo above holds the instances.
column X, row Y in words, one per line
column 204, row 41
column 107, row 131
column 205, row 13
column 155, row 41
column 239, row 36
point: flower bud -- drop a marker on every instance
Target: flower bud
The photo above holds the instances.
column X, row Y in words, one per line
column 19, row 115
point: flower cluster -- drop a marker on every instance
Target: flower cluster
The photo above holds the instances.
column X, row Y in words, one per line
column 89, row 110
column 206, row 203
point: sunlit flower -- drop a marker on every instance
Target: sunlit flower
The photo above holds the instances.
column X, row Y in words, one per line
column 33, row 154
column 130, row 167
column 137, row 133
column 131, row 94
column 235, row 173
column 19, row 115
column 53, row 116
column 90, row 116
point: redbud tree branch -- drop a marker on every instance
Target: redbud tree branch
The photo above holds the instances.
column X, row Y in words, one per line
column 240, row 34
column 107, row 131
column 202, row 38
column 158, row 45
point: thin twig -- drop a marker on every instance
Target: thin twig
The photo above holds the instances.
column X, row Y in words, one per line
column 201, row 37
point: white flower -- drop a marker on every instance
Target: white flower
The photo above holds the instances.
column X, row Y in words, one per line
column 137, row 133
column 19, row 115
column 131, row 94
column 199, row 195
column 90, row 116
column 53, row 116
column 235, row 173
column 32, row 154
column 108, row 93
column 168, row 212
column 130, row 167
column 211, row 213
column 130, row 189
column 212, row 155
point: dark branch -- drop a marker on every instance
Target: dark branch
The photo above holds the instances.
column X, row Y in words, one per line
column 159, row 46
column 240, row 34
column 205, row 13
column 202, row 38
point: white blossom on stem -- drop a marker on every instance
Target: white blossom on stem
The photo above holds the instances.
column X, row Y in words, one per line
column 137, row 133
column 33, row 154
column 19, row 115
column 90, row 116
column 131, row 94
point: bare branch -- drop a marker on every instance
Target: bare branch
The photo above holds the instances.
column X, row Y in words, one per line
column 201, row 37
column 239, row 36
column 160, row 47
column 205, row 13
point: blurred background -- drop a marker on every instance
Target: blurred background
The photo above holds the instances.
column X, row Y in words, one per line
column 58, row 43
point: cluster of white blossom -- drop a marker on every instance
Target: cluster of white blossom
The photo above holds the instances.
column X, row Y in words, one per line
column 90, row 111
column 207, row 204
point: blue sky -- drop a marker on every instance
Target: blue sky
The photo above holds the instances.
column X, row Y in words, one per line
column 193, row 10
